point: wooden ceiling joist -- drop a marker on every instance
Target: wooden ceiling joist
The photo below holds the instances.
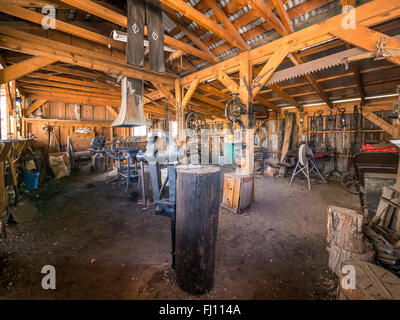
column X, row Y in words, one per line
column 261, row 8
column 286, row 96
column 32, row 16
column 57, row 84
column 372, row 13
column 34, row 106
column 226, row 22
column 367, row 39
column 278, row 4
column 121, row 20
column 228, row 82
column 31, row 44
column 85, row 83
column 211, row 57
column 269, row 68
column 198, row 17
column 188, row 95
column 18, row 70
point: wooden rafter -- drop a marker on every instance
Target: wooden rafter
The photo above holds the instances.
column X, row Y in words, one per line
column 212, row 58
column 367, row 39
column 384, row 125
column 371, row 13
column 278, row 4
column 296, row 59
column 62, row 79
column 32, row 16
column 166, row 92
column 34, row 106
column 114, row 17
column 189, row 93
column 202, row 20
column 228, row 82
column 269, row 68
column 31, row 44
column 57, row 84
column 226, row 22
column 286, row 96
column 261, row 8
column 18, row 70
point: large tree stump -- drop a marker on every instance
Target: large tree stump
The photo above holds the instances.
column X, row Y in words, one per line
column 337, row 255
column 346, row 238
column 198, row 196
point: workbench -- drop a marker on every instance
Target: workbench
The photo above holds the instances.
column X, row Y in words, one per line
column 10, row 150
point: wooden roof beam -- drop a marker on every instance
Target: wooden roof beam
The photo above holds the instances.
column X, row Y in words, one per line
column 34, row 45
column 86, row 83
column 35, row 105
column 32, row 16
column 287, row 23
column 369, row 14
column 121, row 20
column 68, row 86
column 18, row 70
column 189, row 93
column 198, row 17
column 286, row 96
column 262, row 9
column 226, row 22
column 166, row 92
column 367, row 39
column 228, row 82
column 269, row 68
column 212, row 58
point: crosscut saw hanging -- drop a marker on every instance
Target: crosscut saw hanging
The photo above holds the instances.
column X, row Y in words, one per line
column 334, row 60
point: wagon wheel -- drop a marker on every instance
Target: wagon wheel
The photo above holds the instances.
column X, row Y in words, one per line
column 349, row 182
column 195, row 120
column 233, row 109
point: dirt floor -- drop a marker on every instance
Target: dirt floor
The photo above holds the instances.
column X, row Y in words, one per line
column 104, row 246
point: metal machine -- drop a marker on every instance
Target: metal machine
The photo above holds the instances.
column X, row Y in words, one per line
column 128, row 153
column 164, row 202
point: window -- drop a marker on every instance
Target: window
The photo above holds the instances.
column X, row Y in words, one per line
column 173, row 129
column 140, row 131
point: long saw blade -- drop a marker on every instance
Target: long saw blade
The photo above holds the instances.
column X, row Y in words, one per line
column 316, row 65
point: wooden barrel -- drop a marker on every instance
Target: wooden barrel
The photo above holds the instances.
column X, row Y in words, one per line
column 198, row 195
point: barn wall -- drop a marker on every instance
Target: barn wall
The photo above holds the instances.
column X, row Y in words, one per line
column 327, row 136
column 96, row 118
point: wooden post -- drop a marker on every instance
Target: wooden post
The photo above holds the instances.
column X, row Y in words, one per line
column 246, row 77
column 179, row 111
column 198, row 196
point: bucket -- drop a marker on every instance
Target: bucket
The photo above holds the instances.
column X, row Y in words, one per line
column 31, row 179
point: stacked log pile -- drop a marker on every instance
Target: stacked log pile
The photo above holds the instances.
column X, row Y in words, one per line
column 346, row 238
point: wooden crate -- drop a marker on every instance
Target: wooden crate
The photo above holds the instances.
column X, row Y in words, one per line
column 238, row 192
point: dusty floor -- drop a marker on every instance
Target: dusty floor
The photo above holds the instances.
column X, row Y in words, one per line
column 275, row 250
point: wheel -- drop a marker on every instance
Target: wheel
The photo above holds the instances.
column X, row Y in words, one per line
column 349, row 182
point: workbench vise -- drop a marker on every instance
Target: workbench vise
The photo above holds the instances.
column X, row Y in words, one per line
column 170, row 156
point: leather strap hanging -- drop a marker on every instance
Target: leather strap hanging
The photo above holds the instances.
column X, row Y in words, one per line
column 155, row 31
column 136, row 22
